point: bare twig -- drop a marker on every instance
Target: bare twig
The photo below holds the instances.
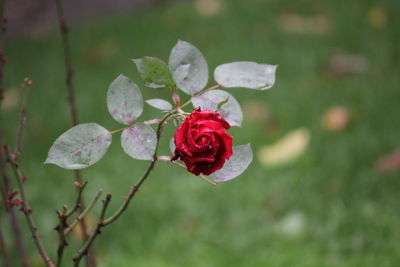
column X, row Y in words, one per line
column 3, row 58
column 5, row 183
column 22, row 118
column 83, row 214
column 5, row 254
column 62, row 242
column 71, row 99
column 78, row 201
column 15, row 224
column 85, row 249
column 67, row 60
column 63, row 224
column 26, row 209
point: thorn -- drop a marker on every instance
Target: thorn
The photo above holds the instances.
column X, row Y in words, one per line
column 13, row 156
column 135, row 188
column 27, row 210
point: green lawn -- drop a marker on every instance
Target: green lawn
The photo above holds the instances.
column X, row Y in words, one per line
column 345, row 212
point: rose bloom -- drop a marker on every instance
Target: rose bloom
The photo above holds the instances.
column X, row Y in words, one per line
column 202, row 142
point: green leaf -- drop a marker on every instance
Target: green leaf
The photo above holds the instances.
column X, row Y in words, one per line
column 124, row 100
column 235, row 165
column 139, row 141
column 246, row 75
column 154, row 72
column 80, row 147
column 189, row 68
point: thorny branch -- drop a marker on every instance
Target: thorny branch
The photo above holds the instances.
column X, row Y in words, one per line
column 3, row 58
column 4, row 250
column 22, row 118
column 80, row 217
column 63, row 222
column 84, row 250
column 62, row 242
column 5, row 182
column 25, row 207
column 15, row 224
column 71, row 99
column 67, row 60
column 104, row 222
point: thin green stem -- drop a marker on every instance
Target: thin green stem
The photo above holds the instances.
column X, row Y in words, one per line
column 200, row 176
column 77, row 205
column 200, row 93
column 117, row 131
column 84, row 250
column 83, row 214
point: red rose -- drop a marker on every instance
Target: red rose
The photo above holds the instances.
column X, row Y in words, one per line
column 202, row 142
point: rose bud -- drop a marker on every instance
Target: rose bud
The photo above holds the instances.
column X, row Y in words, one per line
column 202, row 142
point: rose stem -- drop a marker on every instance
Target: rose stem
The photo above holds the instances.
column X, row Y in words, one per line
column 104, row 222
column 200, row 176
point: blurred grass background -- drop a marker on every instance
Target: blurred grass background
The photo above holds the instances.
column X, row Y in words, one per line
column 332, row 206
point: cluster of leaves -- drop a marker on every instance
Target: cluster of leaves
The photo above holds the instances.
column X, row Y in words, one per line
column 187, row 70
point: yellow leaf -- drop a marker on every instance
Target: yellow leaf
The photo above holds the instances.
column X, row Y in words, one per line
column 335, row 118
column 285, row 150
column 378, row 17
column 11, row 99
column 208, row 7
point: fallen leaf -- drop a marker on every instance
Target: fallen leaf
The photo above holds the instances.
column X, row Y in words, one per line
column 90, row 223
column 293, row 224
column 11, row 99
column 378, row 17
column 285, row 150
column 101, row 52
column 295, row 23
column 191, row 224
column 256, row 111
column 390, row 162
column 335, row 118
column 208, row 7
column 343, row 64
